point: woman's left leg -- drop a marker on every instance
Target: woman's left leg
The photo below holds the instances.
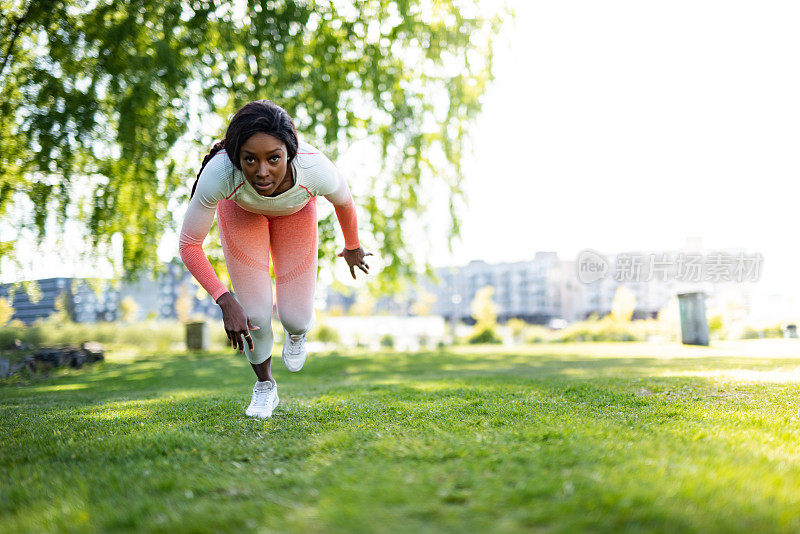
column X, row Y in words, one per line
column 293, row 243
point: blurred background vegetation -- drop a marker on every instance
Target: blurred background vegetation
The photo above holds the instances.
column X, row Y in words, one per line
column 169, row 335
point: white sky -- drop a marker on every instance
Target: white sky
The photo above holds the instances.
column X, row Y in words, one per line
column 623, row 125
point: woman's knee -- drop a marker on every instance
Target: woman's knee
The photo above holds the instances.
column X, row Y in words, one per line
column 260, row 320
column 262, row 343
column 297, row 322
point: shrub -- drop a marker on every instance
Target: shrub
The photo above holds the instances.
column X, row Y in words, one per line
column 484, row 310
column 716, row 325
column 387, row 341
column 537, row 334
column 605, row 329
column 146, row 335
column 326, row 334
column 751, row 332
column 32, row 335
column 773, row 331
column 485, row 335
column 6, row 311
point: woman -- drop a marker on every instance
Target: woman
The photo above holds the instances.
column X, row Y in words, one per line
column 262, row 182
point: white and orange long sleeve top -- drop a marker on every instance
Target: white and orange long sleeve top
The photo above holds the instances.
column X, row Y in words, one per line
column 314, row 175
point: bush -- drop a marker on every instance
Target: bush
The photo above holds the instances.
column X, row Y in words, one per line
column 716, row 325
column 147, row 335
column 588, row 334
column 751, row 332
column 607, row 329
column 387, row 341
column 485, row 335
column 773, row 331
column 325, row 334
column 517, row 327
column 151, row 335
column 32, row 335
column 537, row 334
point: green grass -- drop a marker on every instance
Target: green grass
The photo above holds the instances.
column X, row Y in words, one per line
column 575, row 437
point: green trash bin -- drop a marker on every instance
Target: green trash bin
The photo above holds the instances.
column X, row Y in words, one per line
column 789, row 331
column 197, row 335
column 694, row 326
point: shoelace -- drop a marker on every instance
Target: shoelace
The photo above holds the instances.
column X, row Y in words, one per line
column 295, row 344
column 261, row 394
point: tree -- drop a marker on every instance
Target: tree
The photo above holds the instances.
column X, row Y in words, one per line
column 98, row 97
column 128, row 309
column 716, row 325
column 64, row 311
column 6, row 311
column 424, row 302
column 183, row 304
column 483, row 308
column 484, row 311
column 623, row 305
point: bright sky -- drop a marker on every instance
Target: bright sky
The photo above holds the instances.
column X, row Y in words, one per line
column 623, row 125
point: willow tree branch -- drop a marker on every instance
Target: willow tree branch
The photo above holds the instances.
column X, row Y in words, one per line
column 15, row 34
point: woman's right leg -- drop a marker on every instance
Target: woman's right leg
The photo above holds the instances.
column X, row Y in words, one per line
column 245, row 242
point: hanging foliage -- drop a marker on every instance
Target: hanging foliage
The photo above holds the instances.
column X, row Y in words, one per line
column 96, row 95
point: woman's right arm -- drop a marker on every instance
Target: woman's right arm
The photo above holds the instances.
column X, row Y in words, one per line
column 210, row 189
column 195, row 228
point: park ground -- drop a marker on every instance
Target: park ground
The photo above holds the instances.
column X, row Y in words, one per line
column 539, row 438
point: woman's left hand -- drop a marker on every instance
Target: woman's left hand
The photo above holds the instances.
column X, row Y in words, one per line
column 355, row 258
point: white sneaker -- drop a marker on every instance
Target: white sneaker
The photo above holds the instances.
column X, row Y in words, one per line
column 264, row 400
column 294, row 351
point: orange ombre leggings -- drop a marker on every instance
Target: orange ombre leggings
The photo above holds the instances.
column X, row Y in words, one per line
column 247, row 240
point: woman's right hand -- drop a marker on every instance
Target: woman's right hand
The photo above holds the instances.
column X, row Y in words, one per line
column 237, row 324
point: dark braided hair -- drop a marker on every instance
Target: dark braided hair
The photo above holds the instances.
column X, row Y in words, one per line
column 219, row 145
column 256, row 116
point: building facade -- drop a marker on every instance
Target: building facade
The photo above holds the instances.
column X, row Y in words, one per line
column 92, row 300
column 83, row 300
column 548, row 288
column 536, row 291
column 160, row 296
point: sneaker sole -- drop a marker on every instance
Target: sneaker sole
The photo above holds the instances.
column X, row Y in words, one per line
column 288, row 366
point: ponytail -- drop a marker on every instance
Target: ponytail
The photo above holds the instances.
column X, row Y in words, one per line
column 216, row 148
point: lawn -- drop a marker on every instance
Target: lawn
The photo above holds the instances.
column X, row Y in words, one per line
column 551, row 438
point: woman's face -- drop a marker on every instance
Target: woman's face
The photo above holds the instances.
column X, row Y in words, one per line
column 264, row 161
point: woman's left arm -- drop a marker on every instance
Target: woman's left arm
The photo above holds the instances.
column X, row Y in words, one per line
column 345, row 209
